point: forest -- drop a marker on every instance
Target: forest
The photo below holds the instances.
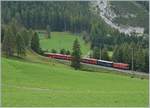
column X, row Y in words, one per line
column 21, row 19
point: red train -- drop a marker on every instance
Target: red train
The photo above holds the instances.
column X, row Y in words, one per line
column 58, row 56
column 121, row 66
column 90, row 61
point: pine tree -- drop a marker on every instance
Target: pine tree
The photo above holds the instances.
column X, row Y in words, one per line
column 2, row 33
column 139, row 59
column 30, row 33
column 85, row 36
column 127, row 55
column 146, row 69
column 25, row 35
column 118, row 54
column 7, row 45
column 96, row 53
column 20, row 45
column 35, row 46
column 76, row 55
column 105, row 54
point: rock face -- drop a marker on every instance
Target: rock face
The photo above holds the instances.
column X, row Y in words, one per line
column 107, row 14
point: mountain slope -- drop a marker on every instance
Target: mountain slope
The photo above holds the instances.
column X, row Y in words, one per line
column 126, row 16
column 130, row 13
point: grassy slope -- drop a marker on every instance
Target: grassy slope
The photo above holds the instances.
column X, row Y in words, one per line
column 61, row 40
column 51, row 84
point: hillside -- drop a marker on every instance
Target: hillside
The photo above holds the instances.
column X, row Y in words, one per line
column 100, row 29
column 130, row 13
column 60, row 40
column 24, row 84
column 125, row 16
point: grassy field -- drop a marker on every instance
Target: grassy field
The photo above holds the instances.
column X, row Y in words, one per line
column 37, row 81
column 61, row 40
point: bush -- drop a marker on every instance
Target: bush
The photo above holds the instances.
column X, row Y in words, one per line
column 53, row 51
column 67, row 52
column 62, row 51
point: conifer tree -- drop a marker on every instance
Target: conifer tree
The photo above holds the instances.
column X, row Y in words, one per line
column 2, row 33
column 35, row 46
column 7, row 45
column 20, row 45
column 105, row 54
column 30, row 33
column 139, row 59
column 26, row 37
column 96, row 53
column 146, row 69
column 76, row 55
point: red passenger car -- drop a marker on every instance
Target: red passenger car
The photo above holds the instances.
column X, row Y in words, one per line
column 50, row 55
column 121, row 66
column 69, row 57
column 58, row 56
column 89, row 61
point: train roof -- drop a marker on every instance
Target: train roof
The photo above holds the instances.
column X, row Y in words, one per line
column 105, row 61
column 48, row 53
column 53, row 53
column 57, row 54
column 122, row 63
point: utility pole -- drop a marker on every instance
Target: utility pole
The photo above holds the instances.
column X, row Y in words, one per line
column 132, row 60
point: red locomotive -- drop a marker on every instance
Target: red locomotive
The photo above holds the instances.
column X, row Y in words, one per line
column 121, row 66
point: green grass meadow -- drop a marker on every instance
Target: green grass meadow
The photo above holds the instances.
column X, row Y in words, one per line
column 60, row 40
column 37, row 81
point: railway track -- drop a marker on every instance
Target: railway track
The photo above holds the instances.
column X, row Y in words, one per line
column 119, row 70
column 129, row 72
